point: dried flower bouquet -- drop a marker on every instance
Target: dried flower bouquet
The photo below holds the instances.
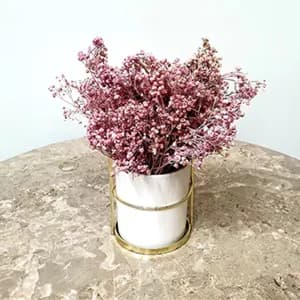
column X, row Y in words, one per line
column 153, row 116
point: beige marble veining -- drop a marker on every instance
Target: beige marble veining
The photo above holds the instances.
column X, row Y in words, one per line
column 55, row 238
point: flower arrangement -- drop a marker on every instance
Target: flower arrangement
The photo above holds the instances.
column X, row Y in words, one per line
column 152, row 116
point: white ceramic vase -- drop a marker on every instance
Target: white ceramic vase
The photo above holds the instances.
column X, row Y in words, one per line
column 155, row 228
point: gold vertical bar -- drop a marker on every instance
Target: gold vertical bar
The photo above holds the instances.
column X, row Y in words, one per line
column 112, row 204
column 192, row 197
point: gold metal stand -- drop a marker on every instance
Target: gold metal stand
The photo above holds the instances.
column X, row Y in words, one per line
column 189, row 197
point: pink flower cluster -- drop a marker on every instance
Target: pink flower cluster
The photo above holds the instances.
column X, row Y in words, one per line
column 153, row 116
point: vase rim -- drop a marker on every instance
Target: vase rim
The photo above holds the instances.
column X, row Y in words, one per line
column 157, row 175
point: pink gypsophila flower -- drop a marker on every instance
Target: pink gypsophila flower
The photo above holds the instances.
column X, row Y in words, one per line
column 153, row 116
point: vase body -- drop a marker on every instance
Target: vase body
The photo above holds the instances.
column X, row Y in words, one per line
column 152, row 228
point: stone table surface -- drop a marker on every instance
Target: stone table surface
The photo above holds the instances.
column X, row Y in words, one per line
column 55, row 238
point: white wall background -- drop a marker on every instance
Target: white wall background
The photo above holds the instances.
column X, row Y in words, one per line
column 40, row 39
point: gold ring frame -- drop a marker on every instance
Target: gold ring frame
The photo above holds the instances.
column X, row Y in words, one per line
column 189, row 197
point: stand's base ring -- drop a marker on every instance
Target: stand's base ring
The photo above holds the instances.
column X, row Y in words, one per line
column 124, row 244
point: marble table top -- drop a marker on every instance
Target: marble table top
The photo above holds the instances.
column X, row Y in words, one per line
column 55, row 240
